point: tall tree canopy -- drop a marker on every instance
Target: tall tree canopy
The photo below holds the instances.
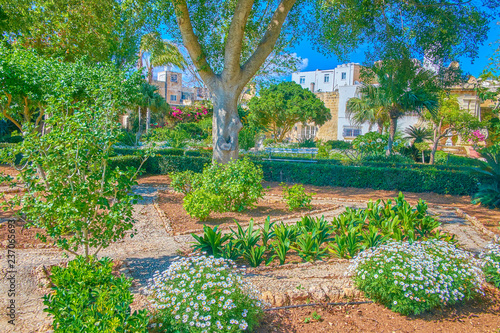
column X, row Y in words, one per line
column 100, row 30
column 229, row 41
column 281, row 106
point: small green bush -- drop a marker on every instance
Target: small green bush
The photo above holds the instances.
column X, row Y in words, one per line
column 235, row 186
column 339, row 144
column 491, row 268
column 202, row 294
column 411, row 278
column 88, row 298
column 296, row 197
column 391, row 159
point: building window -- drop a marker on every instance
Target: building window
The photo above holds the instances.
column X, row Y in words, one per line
column 173, row 98
column 327, row 78
column 344, row 75
column 302, row 79
column 351, row 131
column 308, row 132
column 185, row 96
column 173, row 78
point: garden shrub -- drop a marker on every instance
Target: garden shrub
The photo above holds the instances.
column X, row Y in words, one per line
column 135, row 151
column 234, row 186
column 192, row 129
column 198, row 153
column 411, row 278
column 374, row 143
column 391, row 159
column 296, row 197
column 204, row 294
column 488, row 193
column 184, row 182
column 88, row 298
column 491, row 268
column 339, row 144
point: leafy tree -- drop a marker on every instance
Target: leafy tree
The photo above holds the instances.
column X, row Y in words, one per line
column 447, row 119
column 71, row 190
column 28, row 81
column 281, row 106
column 229, row 41
column 100, row 30
column 402, row 87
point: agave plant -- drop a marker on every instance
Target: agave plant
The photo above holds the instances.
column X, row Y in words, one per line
column 489, row 173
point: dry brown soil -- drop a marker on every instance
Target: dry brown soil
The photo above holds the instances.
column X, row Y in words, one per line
column 480, row 315
column 171, row 204
column 489, row 217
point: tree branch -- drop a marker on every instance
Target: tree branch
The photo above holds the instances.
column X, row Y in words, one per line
column 4, row 111
column 192, row 43
column 268, row 41
column 235, row 37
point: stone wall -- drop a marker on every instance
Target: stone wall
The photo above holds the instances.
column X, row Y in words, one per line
column 329, row 131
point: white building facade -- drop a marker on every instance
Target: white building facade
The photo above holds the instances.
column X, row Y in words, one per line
column 344, row 80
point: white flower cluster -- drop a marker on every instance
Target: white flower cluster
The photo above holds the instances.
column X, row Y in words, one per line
column 491, row 256
column 421, row 271
column 204, row 293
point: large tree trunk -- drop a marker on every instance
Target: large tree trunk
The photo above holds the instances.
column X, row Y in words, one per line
column 226, row 125
column 392, row 134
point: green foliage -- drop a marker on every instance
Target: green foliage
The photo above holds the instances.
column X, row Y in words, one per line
column 98, row 31
column 212, row 296
column 193, row 130
column 417, row 134
column 86, row 297
column 358, row 229
column 373, row 143
column 139, row 152
column 235, row 186
column 411, row 278
column 488, row 193
column 279, row 107
column 211, row 242
column 184, row 182
column 491, row 266
column 296, row 197
column 339, row 144
column 31, row 85
column 73, row 161
column 247, row 136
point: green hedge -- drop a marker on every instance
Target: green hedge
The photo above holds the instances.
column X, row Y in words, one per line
column 412, row 180
column 454, row 182
column 162, row 151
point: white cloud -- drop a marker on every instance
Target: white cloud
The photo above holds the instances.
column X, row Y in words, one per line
column 302, row 62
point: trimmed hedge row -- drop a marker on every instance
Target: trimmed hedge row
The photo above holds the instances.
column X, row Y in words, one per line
column 163, row 151
column 412, row 180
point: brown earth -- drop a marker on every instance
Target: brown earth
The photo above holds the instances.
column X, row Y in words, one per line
column 480, row 315
column 171, row 204
column 489, row 217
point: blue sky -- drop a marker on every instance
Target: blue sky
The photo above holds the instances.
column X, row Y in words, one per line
column 313, row 60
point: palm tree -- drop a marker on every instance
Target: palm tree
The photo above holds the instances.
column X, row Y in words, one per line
column 150, row 100
column 405, row 87
column 402, row 87
column 418, row 134
column 365, row 109
column 155, row 52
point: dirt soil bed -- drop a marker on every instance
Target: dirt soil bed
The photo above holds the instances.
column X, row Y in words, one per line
column 489, row 217
column 481, row 315
column 171, row 204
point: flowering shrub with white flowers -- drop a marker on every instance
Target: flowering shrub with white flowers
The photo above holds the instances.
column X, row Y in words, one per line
column 203, row 294
column 491, row 262
column 411, row 278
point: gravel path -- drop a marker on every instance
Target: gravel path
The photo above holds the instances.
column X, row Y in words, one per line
column 153, row 248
